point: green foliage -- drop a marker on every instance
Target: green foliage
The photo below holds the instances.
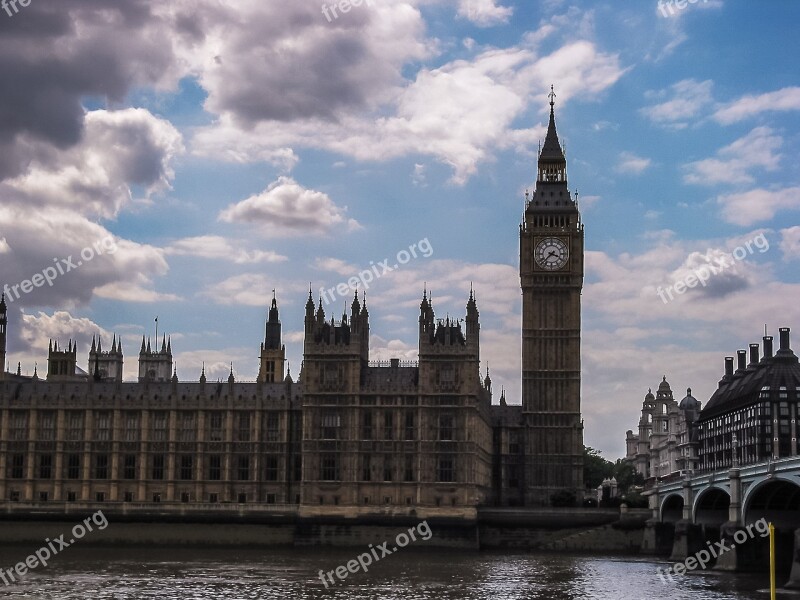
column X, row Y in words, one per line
column 595, row 468
column 635, row 500
column 626, row 475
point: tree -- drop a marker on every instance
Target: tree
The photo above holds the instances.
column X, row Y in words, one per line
column 626, row 475
column 595, row 468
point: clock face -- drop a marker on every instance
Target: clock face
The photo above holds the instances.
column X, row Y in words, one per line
column 551, row 254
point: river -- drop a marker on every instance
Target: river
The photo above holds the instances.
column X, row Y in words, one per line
column 100, row 573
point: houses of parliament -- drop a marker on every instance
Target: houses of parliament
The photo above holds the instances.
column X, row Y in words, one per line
column 349, row 436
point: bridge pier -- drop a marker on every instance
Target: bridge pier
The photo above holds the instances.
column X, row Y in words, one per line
column 688, row 538
column 658, row 537
column 794, row 578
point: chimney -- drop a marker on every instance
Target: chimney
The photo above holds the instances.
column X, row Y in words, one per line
column 785, row 338
column 741, row 355
column 728, row 366
column 767, row 346
column 753, row 355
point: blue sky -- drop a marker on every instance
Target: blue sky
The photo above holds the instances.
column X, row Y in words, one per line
column 232, row 148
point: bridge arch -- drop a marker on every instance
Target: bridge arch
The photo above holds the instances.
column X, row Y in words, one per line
column 775, row 499
column 671, row 508
column 711, row 507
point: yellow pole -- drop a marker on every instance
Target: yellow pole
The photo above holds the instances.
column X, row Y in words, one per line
column 771, row 561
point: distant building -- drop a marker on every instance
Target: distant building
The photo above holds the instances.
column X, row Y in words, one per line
column 668, row 438
column 752, row 416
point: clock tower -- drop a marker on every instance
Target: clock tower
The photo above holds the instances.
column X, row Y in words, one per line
column 551, row 275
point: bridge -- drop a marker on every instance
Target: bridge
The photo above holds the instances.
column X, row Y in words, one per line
column 696, row 509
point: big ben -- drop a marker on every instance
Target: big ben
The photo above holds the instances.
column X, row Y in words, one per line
column 551, row 275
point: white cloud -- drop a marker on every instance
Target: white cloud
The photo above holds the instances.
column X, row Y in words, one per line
column 484, row 13
column 4, row 247
column 782, row 100
column 119, row 150
column 758, row 205
column 250, row 289
column 459, row 113
column 688, row 98
column 214, row 246
column 734, row 162
column 631, row 164
column 790, row 243
column 287, row 208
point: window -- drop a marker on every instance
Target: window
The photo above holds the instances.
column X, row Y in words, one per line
column 73, row 466
column 72, row 496
column 213, row 498
column 160, row 426
column 273, row 426
column 409, row 428
column 17, row 463
column 45, row 466
column 186, row 467
column 47, row 426
column 408, row 472
column 184, row 496
column 388, row 425
column 101, row 466
column 187, row 427
column 100, row 497
column 128, row 497
column 132, row 427
column 329, row 467
column 271, row 498
column 298, row 468
column 215, row 467
column 243, row 468
column 129, row 466
column 446, row 427
column 366, row 425
column 387, row 468
column 156, row 497
column 215, row 427
column 271, row 468
column 366, row 467
column 75, row 426
column 19, row 426
column 513, row 442
column 102, row 427
column 158, row 467
column 242, row 498
column 330, row 425
column 445, row 471
column 14, row 496
column 243, row 429
column 43, row 496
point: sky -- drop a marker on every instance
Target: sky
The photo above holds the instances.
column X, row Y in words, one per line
column 181, row 159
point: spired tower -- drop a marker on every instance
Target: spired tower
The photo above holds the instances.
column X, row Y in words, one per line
column 273, row 353
column 155, row 365
column 3, row 327
column 551, row 274
column 105, row 365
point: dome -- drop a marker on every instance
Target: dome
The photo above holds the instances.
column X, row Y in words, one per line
column 664, row 385
column 689, row 402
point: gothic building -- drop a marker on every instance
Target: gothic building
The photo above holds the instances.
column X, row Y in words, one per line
column 350, row 436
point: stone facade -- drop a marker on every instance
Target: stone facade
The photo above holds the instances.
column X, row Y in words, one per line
column 668, row 438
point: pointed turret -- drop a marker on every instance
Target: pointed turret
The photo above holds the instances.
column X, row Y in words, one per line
column 203, row 374
column 3, row 333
